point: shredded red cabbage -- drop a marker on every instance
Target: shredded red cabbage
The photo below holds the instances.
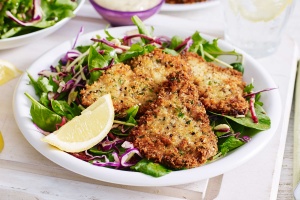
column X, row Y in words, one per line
column 73, row 53
column 111, row 63
column 127, row 38
column 252, row 108
column 108, row 145
column 108, row 43
column 63, row 122
column 255, row 93
column 186, row 43
column 37, row 15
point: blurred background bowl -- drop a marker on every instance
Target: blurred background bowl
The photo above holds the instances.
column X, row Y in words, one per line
column 21, row 40
column 123, row 18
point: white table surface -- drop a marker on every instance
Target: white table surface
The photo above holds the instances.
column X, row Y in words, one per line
column 25, row 174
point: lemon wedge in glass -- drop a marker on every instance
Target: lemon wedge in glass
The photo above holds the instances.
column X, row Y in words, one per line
column 7, row 71
column 86, row 130
column 259, row 10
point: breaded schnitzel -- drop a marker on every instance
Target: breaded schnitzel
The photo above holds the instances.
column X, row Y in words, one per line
column 136, row 83
column 221, row 89
column 175, row 130
column 126, row 88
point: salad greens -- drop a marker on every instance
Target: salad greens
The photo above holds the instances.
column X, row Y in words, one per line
column 19, row 17
column 58, row 90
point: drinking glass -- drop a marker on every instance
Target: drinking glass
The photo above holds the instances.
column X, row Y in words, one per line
column 256, row 26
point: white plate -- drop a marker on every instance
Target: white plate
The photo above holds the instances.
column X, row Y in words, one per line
column 185, row 7
column 21, row 105
column 21, row 40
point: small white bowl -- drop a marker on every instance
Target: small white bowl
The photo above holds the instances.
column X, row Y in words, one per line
column 21, row 40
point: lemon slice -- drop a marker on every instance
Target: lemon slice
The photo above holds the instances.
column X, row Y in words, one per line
column 85, row 130
column 7, row 71
column 1, row 142
column 259, row 10
column 94, row 105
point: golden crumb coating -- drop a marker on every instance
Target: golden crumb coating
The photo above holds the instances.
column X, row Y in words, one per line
column 134, row 83
column 221, row 89
column 127, row 89
column 175, row 130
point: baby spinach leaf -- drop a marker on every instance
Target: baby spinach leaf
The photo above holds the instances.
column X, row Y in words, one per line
column 44, row 99
column 170, row 51
column 175, row 41
column 62, row 108
column 95, row 60
column 229, row 144
column 42, row 116
column 38, row 90
column 153, row 169
column 95, row 151
column 140, row 25
column 136, row 50
column 83, row 49
column 264, row 122
column 44, row 84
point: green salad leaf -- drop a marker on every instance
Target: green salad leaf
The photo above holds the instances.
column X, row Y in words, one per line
column 264, row 122
column 229, row 144
column 43, row 117
column 153, row 169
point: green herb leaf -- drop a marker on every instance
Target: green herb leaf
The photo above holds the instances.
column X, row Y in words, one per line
column 248, row 88
column 153, row 169
column 95, row 60
column 230, row 144
column 42, row 116
column 38, row 90
column 136, row 50
column 45, row 85
column 62, row 108
column 140, row 25
column 171, row 52
column 132, row 111
column 95, row 151
column 238, row 66
column 264, row 122
column 175, row 41
column 44, row 99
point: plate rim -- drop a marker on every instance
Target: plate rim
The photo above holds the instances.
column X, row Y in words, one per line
column 58, row 156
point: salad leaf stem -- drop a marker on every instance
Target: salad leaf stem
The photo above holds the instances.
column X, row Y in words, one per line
column 123, row 123
column 217, row 60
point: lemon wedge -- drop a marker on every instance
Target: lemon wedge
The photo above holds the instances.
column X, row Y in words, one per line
column 1, row 142
column 7, row 71
column 259, row 10
column 85, row 130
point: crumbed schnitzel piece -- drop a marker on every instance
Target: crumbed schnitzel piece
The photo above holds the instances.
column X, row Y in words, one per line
column 221, row 89
column 157, row 65
column 175, row 130
column 136, row 83
column 126, row 88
